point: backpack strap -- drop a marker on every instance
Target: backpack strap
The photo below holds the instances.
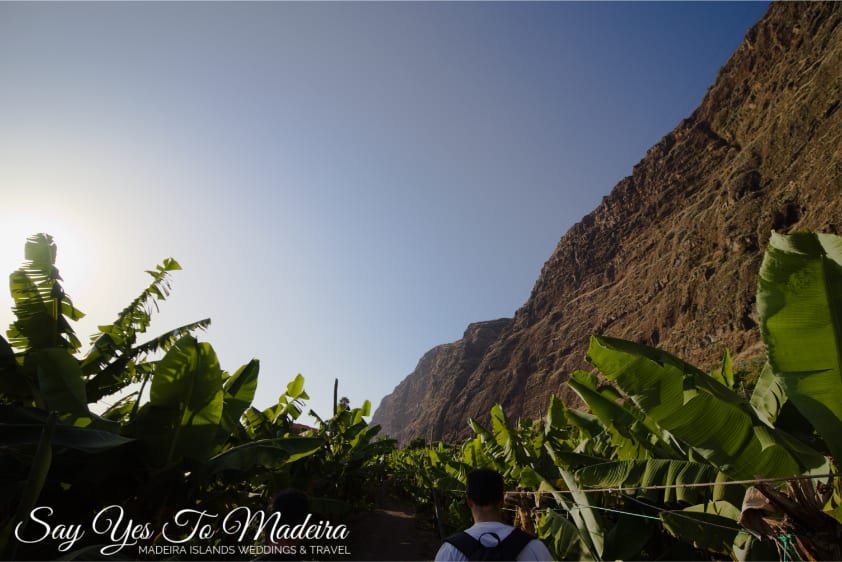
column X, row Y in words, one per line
column 507, row 549
column 466, row 544
column 514, row 543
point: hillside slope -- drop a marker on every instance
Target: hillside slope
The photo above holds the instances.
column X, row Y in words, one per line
column 670, row 257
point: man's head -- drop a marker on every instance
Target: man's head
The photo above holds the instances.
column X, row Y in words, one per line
column 484, row 488
column 292, row 504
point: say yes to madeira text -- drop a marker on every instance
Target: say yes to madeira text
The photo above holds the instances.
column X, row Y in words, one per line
column 186, row 525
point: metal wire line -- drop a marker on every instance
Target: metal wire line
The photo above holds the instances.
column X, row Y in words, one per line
column 621, row 489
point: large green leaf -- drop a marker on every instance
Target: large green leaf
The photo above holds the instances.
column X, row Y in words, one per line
column 507, row 438
column 186, row 400
column 633, row 434
column 587, row 423
column 748, row 548
column 239, row 392
column 799, row 300
column 701, row 412
column 295, row 388
column 64, row 436
column 589, row 522
column 364, row 410
column 134, row 319
column 704, row 529
column 189, row 379
column 563, row 537
column 115, row 360
column 59, row 380
column 288, row 408
column 265, row 453
column 555, row 417
column 628, row 536
column 768, row 397
column 652, row 472
column 725, row 374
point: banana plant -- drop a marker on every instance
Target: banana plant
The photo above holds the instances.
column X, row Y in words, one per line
column 663, row 441
column 789, row 427
column 115, row 358
column 184, row 412
column 277, row 420
column 350, row 444
column 188, row 444
column 702, row 413
column 634, row 435
column 799, row 300
column 41, row 307
column 521, row 453
column 44, row 372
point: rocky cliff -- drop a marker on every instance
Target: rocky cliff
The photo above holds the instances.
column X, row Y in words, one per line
column 670, row 257
column 419, row 406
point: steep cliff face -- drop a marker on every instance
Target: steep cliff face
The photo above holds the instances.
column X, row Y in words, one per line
column 419, row 407
column 670, row 257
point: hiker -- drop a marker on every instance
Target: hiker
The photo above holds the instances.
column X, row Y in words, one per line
column 294, row 507
column 489, row 538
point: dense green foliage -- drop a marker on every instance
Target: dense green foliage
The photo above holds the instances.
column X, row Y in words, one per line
column 658, row 465
column 194, row 440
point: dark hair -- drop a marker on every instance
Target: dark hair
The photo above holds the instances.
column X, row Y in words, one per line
column 292, row 504
column 485, row 486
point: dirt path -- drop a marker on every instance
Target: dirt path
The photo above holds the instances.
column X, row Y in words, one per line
column 392, row 531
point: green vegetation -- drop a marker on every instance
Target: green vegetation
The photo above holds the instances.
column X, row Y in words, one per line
column 659, row 464
column 194, row 441
column 657, row 467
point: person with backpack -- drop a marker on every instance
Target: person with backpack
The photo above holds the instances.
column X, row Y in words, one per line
column 489, row 538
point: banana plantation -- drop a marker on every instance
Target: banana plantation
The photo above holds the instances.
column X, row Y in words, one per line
column 182, row 435
column 666, row 462
column 669, row 462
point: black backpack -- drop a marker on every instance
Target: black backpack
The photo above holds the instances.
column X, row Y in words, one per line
column 507, row 549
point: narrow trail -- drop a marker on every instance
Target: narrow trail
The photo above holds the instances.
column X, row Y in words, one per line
column 392, row 530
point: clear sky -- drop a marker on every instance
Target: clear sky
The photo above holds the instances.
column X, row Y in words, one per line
column 346, row 185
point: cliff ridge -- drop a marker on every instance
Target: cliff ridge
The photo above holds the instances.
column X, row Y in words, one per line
column 670, row 257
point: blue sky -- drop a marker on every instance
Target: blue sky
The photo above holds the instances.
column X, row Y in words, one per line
column 346, row 185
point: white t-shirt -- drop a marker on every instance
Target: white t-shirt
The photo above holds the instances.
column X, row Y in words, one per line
column 535, row 550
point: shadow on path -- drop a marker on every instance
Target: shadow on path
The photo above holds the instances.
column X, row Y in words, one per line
column 392, row 530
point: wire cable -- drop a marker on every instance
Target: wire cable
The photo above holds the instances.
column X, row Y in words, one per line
column 622, row 489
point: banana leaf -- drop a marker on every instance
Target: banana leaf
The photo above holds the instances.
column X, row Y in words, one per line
column 185, row 408
column 59, row 380
column 265, row 453
column 633, row 434
column 768, row 397
column 239, row 391
column 701, row 412
column 651, row 472
column 80, row 439
column 704, row 528
column 799, row 300
column 563, row 537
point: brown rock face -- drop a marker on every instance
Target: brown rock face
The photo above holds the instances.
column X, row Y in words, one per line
column 670, row 258
column 420, row 405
